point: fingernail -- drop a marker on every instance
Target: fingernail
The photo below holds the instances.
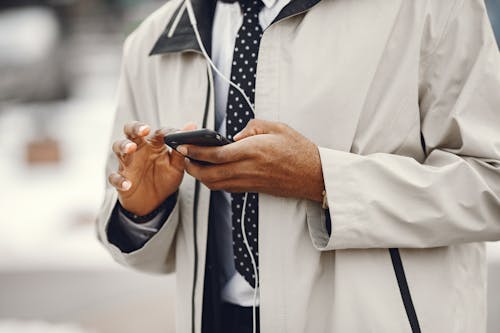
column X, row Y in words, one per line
column 181, row 149
column 126, row 185
column 143, row 129
column 128, row 146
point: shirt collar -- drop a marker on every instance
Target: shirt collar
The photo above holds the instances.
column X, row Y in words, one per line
column 269, row 3
column 183, row 39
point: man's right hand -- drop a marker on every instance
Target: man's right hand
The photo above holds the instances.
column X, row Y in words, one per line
column 148, row 172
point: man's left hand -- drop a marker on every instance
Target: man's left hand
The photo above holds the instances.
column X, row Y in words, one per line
column 266, row 157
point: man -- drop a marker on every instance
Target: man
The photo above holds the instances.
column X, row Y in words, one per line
column 372, row 164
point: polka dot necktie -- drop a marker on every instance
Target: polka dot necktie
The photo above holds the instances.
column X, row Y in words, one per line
column 246, row 49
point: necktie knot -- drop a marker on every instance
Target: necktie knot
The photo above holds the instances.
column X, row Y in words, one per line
column 251, row 6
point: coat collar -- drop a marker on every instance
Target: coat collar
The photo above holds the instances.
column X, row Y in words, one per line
column 184, row 40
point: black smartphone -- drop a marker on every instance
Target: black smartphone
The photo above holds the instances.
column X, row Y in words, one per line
column 202, row 137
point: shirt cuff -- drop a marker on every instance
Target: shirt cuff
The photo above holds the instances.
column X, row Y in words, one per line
column 129, row 235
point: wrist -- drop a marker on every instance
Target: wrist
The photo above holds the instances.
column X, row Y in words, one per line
column 166, row 205
column 316, row 182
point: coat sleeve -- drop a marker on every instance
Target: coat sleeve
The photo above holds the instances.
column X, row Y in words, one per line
column 385, row 200
column 157, row 254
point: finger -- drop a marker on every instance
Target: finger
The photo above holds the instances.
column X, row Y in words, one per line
column 136, row 131
column 158, row 139
column 221, row 177
column 189, row 126
column 210, row 174
column 176, row 158
column 119, row 182
column 214, row 155
column 123, row 147
column 256, row 127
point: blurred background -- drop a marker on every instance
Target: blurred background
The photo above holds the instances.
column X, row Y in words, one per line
column 59, row 65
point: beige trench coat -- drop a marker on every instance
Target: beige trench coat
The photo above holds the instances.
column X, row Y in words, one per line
column 364, row 80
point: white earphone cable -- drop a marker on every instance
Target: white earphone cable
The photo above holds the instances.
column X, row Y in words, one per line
column 254, row 264
column 192, row 18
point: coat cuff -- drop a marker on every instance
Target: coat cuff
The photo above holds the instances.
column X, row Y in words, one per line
column 128, row 235
column 344, row 201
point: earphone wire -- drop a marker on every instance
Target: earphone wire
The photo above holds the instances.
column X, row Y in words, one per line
column 187, row 5
column 254, row 264
column 192, row 19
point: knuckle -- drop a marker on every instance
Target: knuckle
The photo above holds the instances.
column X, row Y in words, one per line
column 128, row 127
column 112, row 179
column 281, row 126
column 219, row 155
column 192, row 153
column 224, row 173
column 214, row 186
column 252, row 123
column 208, row 177
column 116, row 146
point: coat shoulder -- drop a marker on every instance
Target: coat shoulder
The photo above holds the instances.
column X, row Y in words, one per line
column 141, row 41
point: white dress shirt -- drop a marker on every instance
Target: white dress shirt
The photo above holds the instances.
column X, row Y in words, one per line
column 227, row 21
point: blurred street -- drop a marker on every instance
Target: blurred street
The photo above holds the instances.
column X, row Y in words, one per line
column 52, row 268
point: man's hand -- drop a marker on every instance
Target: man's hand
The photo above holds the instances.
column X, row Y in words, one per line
column 148, row 173
column 267, row 157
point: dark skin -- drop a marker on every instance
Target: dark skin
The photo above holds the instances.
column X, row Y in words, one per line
column 266, row 157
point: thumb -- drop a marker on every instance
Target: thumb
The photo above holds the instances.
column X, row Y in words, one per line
column 256, row 127
column 176, row 158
